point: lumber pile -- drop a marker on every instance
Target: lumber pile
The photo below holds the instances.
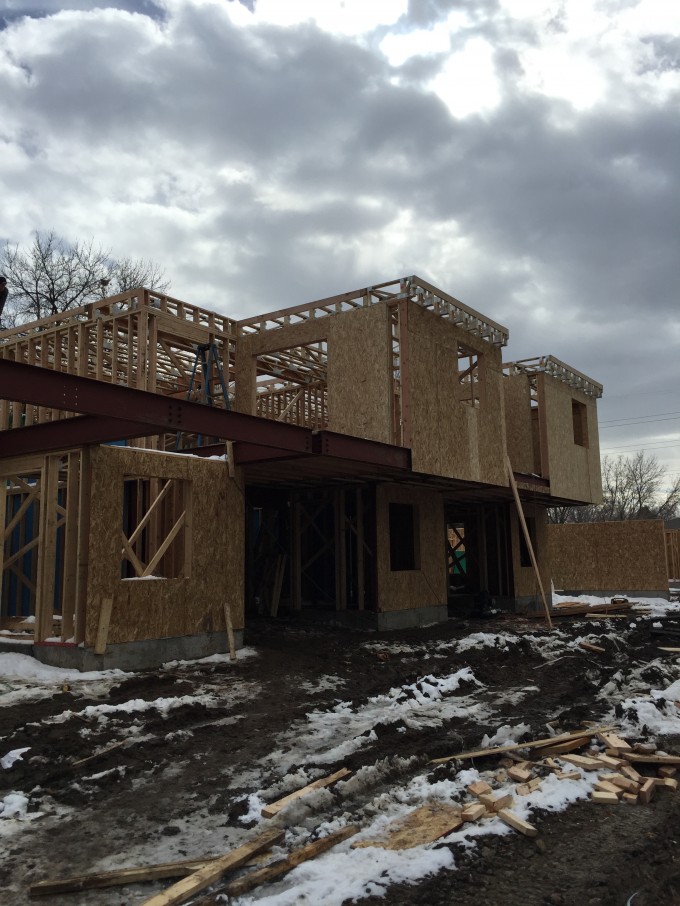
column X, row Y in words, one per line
column 577, row 608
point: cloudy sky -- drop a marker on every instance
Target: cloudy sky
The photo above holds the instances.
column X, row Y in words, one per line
column 523, row 155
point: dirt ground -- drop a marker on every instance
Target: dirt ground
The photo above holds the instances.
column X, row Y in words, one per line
column 137, row 799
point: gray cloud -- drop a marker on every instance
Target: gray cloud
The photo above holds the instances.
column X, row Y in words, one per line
column 268, row 166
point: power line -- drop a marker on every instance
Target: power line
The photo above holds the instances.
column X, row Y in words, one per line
column 629, row 418
column 651, row 421
column 671, row 446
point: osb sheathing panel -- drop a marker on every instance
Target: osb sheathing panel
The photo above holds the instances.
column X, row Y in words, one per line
column 628, row 555
column 424, row 587
column 165, row 608
column 574, row 470
column 448, row 437
column 524, row 576
column 359, row 381
column 518, row 432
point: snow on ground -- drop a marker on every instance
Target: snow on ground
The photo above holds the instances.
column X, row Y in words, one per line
column 375, row 795
column 330, row 735
column 23, row 678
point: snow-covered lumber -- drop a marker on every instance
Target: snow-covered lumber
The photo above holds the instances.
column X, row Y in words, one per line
column 534, row 744
column 423, row 825
column 283, row 866
column 119, row 877
column 275, row 807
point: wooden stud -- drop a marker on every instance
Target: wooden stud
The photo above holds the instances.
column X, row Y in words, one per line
column 527, row 539
column 105, row 608
column 230, row 631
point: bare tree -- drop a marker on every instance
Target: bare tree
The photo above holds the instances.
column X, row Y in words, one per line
column 633, row 487
column 52, row 275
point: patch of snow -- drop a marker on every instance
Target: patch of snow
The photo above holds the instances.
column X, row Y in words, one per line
column 8, row 760
column 505, row 735
column 14, row 805
column 323, row 684
column 220, row 658
column 330, row 735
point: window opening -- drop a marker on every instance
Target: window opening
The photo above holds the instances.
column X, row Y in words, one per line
column 156, row 538
column 579, row 417
column 404, row 552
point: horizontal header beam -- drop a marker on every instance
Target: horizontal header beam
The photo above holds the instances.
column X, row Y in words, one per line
column 154, row 413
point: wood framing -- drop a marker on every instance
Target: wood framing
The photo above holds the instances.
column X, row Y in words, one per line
column 355, row 429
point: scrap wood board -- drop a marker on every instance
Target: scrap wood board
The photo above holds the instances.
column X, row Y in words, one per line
column 186, row 888
column 275, row 807
column 533, row 744
column 423, row 825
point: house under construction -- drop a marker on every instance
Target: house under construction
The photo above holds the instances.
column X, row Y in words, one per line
column 163, row 467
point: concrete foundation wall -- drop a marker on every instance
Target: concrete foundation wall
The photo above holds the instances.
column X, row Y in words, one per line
column 136, row 655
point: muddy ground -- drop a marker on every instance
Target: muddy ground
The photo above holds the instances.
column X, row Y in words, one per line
column 134, row 805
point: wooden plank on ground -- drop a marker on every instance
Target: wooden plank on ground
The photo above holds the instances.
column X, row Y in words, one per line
column 612, row 741
column 636, row 758
column 282, row 866
column 188, row 887
column 588, row 646
column 534, row 744
column 275, row 807
column 421, row 826
column 473, row 811
column 517, row 823
column 605, row 798
column 119, row 877
column 569, row 746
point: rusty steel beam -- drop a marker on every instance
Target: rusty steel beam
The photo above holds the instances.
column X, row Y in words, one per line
column 358, row 449
column 151, row 411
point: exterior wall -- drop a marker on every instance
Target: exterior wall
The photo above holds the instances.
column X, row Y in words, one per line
column 573, row 469
column 359, row 380
column 448, row 437
column 625, row 557
column 419, row 588
column 525, row 582
column 163, row 608
column 518, row 419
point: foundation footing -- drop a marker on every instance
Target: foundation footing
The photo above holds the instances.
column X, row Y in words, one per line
column 134, row 655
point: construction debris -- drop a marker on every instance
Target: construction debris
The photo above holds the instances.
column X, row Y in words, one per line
column 275, row 807
column 423, row 825
column 213, row 871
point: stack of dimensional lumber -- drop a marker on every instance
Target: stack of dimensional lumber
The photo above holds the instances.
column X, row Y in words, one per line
column 618, row 777
column 577, row 608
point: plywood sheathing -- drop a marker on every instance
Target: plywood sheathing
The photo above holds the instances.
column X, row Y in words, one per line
column 594, row 556
column 423, row 587
column 673, row 553
column 449, row 437
column 573, row 469
column 165, row 608
column 518, row 423
column 524, row 576
column 358, row 368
